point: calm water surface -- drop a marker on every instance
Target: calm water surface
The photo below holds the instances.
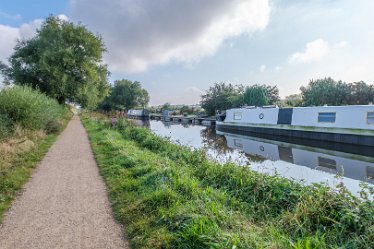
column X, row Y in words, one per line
column 300, row 160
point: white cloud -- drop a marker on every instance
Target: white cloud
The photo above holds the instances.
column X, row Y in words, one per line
column 143, row 33
column 314, row 51
column 341, row 44
column 8, row 38
column 277, row 68
column 262, row 68
column 9, row 35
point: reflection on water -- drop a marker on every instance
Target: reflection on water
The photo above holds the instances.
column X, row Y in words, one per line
column 349, row 165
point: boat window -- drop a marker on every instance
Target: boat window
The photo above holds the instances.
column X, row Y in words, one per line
column 327, row 163
column 370, row 117
column 238, row 143
column 326, row 117
column 237, row 115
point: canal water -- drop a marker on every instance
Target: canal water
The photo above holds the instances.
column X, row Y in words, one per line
column 304, row 161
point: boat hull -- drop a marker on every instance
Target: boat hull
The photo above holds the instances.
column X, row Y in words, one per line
column 348, row 136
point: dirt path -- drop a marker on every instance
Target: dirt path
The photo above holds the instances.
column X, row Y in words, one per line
column 64, row 205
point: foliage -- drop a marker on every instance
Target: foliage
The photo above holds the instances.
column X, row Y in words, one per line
column 223, row 96
column 219, row 97
column 166, row 107
column 6, row 126
column 293, row 100
column 29, row 108
column 327, row 91
column 64, row 61
column 126, row 95
column 255, row 96
column 173, row 197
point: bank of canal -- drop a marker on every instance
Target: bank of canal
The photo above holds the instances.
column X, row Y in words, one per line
column 323, row 162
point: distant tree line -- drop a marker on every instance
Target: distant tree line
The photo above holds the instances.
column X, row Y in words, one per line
column 223, row 96
column 326, row 91
column 330, row 92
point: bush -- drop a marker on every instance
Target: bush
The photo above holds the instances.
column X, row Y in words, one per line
column 53, row 126
column 6, row 126
column 29, row 108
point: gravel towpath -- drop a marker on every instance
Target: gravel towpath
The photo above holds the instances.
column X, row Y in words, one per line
column 64, row 204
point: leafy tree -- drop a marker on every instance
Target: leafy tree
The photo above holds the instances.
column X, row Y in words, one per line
column 326, row 91
column 126, row 95
column 361, row 93
column 63, row 60
column 255, row 95
column 166, row 107
column 293, row 100
column 143, row 98
column 219, row 97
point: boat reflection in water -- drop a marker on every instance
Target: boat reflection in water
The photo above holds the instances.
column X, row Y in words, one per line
column 344, row 164
column 305, row 161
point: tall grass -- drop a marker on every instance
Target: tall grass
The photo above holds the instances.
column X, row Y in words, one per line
column 29, row 122
column 29, row 108
column 170, row 196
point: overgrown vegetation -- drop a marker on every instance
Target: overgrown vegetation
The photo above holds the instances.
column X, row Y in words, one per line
column 170, row 196
column 29, row 123
column 28, row 108
column 63, row 60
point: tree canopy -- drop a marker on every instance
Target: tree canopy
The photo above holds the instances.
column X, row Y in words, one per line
column 219, row 97
column 126, row 95
column 63, row 60
column 255, row 96
column 327, row 91
column 223, row 96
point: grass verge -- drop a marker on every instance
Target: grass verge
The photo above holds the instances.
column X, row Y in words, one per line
column 169, row 196
column 19, row 155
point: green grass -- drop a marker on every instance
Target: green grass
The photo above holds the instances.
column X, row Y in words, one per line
column 29, row 124
column 169, row 196
column 12, row 179
column 29, row 108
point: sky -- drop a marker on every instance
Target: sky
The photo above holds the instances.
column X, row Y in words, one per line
column 178, row 49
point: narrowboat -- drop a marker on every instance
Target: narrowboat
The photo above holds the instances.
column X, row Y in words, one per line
column 342, row 124
column 139, row 114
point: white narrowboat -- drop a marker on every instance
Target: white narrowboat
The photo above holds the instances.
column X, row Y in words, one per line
column 141, row 114
column 343, row 124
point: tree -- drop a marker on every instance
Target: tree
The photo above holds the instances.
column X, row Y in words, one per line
column 293, row 100
column 63, row 60
column 166, row 107
column 361, row 93
column 326, row 91
column 126, row 95
column 143, row 98
column 219, row 97
column 255, row 96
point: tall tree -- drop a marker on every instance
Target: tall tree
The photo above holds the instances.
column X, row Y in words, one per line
column 219, row 97
column 63, row 60
column 256, row 95
column 327, row 91
column 127, row 95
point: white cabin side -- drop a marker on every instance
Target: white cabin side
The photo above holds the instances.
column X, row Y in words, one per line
column 253, row 115
column 355, row 117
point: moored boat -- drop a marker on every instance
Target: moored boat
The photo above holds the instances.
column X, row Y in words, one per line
column 140, row 114
column 344, row 124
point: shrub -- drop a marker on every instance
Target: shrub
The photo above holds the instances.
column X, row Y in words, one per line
column 6, row 126
column 29, row 108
